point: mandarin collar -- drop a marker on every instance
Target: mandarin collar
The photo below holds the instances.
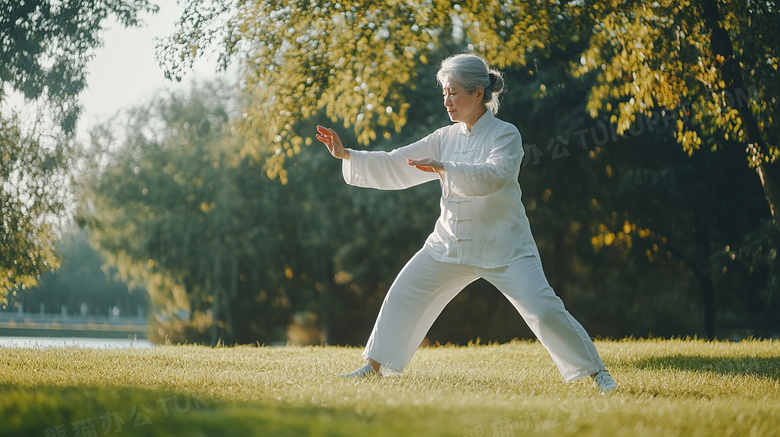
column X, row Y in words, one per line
column 476, row 128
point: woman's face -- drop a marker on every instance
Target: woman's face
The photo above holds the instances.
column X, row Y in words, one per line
column 462, row 106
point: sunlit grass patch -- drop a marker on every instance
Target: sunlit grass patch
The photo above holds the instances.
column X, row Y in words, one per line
column 667, row 387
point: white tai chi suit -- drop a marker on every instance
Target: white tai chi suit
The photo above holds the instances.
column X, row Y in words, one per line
column 482, row 231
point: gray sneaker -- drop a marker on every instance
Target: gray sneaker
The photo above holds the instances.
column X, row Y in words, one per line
column 362, row 372
column 604, row 381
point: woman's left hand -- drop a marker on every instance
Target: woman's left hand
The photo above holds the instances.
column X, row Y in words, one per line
column 427, row 164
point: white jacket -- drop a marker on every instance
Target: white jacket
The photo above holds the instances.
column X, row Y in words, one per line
column 482, row 221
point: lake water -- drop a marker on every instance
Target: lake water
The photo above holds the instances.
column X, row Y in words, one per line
column 83, row 342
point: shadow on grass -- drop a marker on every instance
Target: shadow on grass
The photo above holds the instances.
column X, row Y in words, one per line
column 763, row 367
column 66, row 411
column 50, row 410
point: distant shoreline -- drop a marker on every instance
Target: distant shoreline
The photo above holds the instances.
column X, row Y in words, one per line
column 52, row 325
column 82, row 342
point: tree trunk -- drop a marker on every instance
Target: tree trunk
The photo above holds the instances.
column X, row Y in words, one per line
column 562, row 261
column 702, row 271
column 214, row 331
column 769, row 181
column 698, row 260
column 707, row 296
column 758, row 149
column 232, row 295
column 326, row 296
column 216, row 290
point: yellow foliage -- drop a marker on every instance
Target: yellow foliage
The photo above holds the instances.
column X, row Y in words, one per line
column 349, row 60
column 659, row 55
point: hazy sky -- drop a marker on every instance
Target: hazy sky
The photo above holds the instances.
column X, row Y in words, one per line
column 124, row 72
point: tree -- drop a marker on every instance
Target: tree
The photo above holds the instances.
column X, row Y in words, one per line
column 178, row 211
column 685, row 210
column 29, row 197
column 712, row 66
column 45, row 48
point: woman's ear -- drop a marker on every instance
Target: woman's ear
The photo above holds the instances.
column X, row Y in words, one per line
column 480, row 93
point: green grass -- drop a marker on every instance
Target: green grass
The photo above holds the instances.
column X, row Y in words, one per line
column 666, row 388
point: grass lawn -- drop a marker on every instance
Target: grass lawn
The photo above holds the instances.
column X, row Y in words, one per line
column 666, row 388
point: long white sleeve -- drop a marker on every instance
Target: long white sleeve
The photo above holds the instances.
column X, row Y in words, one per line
column 390, row 170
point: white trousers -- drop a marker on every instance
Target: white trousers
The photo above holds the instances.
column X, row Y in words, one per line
column 425, row 286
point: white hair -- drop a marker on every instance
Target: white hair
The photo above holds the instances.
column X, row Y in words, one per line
column 472, row 71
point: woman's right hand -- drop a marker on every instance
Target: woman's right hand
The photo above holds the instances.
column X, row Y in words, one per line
column 331, row 139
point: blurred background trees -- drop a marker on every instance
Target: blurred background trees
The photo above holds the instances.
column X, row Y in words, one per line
column 649, row 178
column 82, row 286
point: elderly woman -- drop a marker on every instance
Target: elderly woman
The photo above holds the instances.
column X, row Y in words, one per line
column 482, row 232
